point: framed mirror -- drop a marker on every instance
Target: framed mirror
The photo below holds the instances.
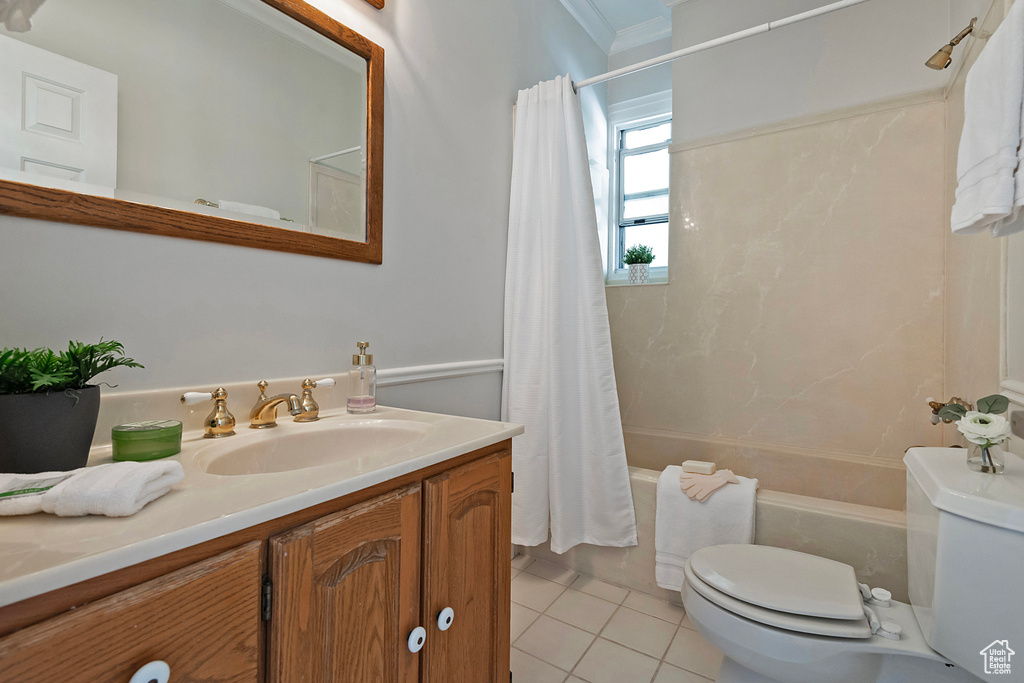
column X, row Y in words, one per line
column 256, row 123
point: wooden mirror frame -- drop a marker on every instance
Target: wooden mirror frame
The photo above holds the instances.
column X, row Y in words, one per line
column 33, row 201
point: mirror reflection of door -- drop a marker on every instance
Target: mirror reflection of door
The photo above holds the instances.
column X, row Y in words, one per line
column 58, row 119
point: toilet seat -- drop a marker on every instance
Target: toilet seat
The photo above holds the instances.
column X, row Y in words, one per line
column 781, row 588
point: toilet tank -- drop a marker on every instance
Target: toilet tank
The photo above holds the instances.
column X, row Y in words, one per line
column 965, row 559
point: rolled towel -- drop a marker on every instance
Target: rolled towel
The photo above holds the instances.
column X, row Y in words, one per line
column 699, row 487
column 251, row 209
column 117, row 489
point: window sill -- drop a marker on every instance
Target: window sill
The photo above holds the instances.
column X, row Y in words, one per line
column 620, row 278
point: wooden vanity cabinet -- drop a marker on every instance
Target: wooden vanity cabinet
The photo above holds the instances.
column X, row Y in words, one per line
column 349, row 588
column 203, row 620
column 329, row 594
column 346, row 590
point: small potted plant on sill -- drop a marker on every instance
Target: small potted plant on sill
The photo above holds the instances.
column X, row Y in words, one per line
column 638, row 258
column 48, row 409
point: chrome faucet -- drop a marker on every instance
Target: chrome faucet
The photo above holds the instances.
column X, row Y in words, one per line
column 264, row 413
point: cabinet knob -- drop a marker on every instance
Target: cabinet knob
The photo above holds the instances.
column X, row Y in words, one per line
column 154, row 672
column 416, row 640
column 445, row 618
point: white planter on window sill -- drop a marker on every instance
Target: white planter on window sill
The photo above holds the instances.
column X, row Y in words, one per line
column 656, row 276
column 639, row 273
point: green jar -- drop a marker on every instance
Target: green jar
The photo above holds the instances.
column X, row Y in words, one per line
column 146, row 440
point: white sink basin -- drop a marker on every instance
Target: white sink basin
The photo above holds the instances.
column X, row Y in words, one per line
column 297, row 447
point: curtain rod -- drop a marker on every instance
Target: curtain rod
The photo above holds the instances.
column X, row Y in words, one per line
column 731, row 38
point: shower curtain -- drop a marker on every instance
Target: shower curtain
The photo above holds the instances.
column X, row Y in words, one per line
column 570, row 465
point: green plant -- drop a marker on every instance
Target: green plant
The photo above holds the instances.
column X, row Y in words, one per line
column 42, row 370
column 638, row 253
column 990, row 405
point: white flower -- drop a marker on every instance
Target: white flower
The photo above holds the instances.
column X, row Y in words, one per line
column 984, row 429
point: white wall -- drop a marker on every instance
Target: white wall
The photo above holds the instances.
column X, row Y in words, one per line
column 197, row 314
column 866, row 53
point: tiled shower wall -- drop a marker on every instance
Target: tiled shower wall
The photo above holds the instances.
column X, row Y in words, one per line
column 805, row 306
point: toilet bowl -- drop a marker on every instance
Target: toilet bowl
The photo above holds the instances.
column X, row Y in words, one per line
column 781, row 616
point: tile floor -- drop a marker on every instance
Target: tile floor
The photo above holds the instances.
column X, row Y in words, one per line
column 568, row 627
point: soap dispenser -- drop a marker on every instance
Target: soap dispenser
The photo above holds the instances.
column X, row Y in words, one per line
column 362, row 383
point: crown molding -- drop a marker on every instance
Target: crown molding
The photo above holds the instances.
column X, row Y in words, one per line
column 672, row 3
column 592, row 21
column 650, row 30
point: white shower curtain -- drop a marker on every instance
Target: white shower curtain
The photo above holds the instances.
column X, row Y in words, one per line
column 570, row 465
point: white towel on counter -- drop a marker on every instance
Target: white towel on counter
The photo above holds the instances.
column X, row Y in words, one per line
column 251, row 209
column 118, row 489
column 990, row 177
column 683, row 526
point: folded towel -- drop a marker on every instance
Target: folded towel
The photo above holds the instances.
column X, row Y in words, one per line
column 990, row 183
column 117, row 489
column 683, row 526
column 251, row 209
column 699, row 487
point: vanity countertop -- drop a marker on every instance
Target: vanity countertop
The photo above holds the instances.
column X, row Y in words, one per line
column 43, row 552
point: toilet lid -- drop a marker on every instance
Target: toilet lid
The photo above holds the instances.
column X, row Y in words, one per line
column 781, row 580
column 833, row 628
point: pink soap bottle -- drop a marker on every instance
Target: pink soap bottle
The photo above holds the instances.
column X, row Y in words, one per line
column 362, row 382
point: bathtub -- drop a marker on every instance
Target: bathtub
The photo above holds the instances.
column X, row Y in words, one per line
column 847, row 508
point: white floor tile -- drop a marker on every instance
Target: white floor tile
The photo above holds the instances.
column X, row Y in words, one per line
column 581, row 610
column 534, row 592
column 688, row 624
column 607, row 662
column 552, row 572
column 527, row 669
column 655, row 607
column 672, row 674
column 522, row 617
column 521, row 562
column 556, row 643
column 640, row 631
column 600, row 589
column 690, row 651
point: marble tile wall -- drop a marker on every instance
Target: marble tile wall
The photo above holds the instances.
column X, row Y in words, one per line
column 805, row 303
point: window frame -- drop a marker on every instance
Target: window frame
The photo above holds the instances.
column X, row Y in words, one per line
column 636, row 114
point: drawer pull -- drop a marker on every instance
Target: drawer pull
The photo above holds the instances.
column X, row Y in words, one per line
column 445, row 618
column 154, row 672
column 416, row 639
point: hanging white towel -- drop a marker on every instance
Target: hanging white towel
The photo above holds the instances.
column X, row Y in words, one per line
column 250, row 209
column 990, row 176
column 559, row 381
column 117, row 489
column 683, row 526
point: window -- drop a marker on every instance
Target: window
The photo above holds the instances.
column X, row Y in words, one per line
column 641, row 205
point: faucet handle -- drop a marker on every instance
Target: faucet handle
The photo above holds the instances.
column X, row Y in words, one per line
column 220, row 422
column 310, row 408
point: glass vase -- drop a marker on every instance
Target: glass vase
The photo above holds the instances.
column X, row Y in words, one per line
column 988, row 459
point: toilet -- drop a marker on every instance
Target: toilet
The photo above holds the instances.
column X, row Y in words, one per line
column 782, row 616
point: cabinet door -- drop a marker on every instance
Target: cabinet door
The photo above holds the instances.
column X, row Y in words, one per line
column 346, row 595
column 203, row 620
column 466, row 566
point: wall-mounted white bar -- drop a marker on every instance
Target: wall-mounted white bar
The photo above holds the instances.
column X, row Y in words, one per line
column 336, row 154
column 731, row 38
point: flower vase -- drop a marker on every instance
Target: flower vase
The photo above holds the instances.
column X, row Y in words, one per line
column 988, row 459
column 639, row 273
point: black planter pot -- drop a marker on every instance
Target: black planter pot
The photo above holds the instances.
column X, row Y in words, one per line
column 47, row 432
